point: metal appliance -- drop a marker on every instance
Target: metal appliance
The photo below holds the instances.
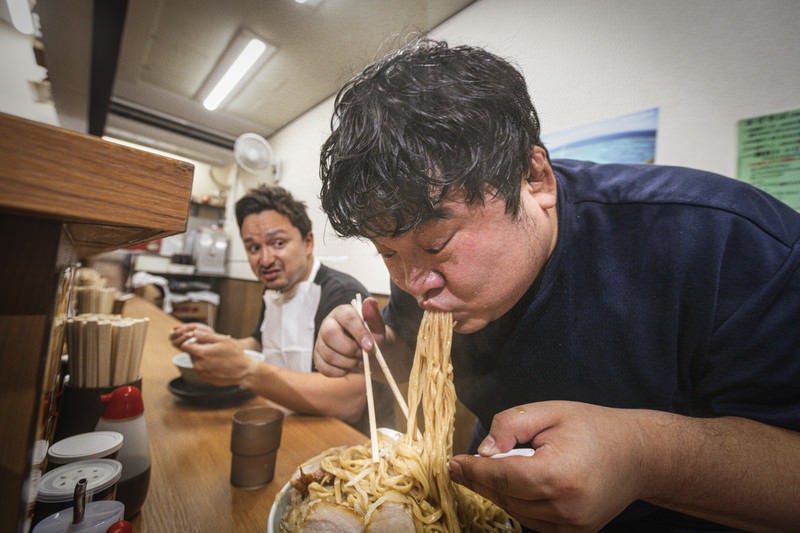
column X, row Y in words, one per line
column 209, row 249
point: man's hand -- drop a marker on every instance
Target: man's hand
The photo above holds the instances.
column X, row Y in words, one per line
column 591, row 462
column 586, row 469
column 218, row 359
column 343, row 335
column 183, row 332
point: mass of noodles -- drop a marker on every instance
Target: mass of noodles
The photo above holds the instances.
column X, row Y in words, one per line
column 412, row 468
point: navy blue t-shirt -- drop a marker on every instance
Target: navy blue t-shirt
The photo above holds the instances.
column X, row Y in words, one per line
column 669, row 289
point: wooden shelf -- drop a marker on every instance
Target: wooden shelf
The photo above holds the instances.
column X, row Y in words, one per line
column 64, row 196
column 108, row 195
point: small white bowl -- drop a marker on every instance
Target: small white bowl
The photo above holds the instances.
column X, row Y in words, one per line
column 184, row 363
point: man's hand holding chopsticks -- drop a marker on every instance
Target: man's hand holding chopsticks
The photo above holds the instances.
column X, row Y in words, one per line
column 345, row 333
column 184, row 332
column 218, row 359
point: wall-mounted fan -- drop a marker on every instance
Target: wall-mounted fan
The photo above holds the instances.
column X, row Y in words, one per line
column 254, row 165
column 253, row 154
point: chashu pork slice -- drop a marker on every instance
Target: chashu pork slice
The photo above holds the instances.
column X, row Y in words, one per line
column 394, row 517
column 329, row 517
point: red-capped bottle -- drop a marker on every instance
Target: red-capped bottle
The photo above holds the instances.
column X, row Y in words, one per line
column 124, row 413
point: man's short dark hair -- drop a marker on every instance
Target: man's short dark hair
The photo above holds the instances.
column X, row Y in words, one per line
column 273, row 198
column 425, row 122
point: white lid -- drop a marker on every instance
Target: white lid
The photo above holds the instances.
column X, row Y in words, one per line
column 94, row 445
column 58, row 485
column 98, row 516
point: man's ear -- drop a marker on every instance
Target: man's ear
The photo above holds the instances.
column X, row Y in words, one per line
column 540, row 182
column 309, row 241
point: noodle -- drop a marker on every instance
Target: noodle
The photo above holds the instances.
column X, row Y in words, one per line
column 412, row 470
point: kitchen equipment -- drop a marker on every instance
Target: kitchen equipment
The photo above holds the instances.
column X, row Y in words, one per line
column 210, row 250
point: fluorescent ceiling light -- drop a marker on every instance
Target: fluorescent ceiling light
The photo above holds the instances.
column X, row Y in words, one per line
column 244, row 53
column 20, row 13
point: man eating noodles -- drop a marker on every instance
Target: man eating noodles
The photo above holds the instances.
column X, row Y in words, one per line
column 637, row 325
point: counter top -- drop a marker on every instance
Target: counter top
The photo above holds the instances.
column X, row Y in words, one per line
column 190, row 488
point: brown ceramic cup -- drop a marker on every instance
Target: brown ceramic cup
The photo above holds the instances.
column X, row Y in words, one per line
column 255, row 439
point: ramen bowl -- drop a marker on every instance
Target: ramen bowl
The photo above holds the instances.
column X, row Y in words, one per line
column 282, row 500
column 387, row 437
column 279, row 508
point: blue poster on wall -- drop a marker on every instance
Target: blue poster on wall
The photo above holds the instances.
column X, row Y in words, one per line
column 625, row 139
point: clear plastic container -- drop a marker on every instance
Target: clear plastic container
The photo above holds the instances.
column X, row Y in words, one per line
column 97, row 518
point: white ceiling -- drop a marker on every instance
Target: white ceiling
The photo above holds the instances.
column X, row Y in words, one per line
column 169, row 47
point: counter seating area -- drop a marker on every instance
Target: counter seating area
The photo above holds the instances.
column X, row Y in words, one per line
column 190, row 488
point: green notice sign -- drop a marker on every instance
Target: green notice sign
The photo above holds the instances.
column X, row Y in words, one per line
column 769, row 154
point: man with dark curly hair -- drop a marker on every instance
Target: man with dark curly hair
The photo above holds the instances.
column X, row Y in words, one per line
column 299, row 293
column 637, row 325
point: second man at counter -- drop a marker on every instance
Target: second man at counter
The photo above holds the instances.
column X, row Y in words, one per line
column 299, row 293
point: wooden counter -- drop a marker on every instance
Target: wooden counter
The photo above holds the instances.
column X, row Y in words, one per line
column 190, row 488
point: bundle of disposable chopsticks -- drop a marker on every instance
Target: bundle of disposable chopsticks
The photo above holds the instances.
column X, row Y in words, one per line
column 91, row 294
column 95, row 299
column 104, row 350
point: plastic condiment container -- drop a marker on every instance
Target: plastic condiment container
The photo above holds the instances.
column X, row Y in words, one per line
column 56, row 488
column 124, row 413
column 94, row 445
column 97, row 518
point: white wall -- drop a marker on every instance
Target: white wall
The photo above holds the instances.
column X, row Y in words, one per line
column 704, row 63
column 19, row 68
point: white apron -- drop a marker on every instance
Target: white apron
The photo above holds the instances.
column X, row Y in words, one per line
column 287, row 332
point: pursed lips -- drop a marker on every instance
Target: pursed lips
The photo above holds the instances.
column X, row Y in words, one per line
column 270, row 272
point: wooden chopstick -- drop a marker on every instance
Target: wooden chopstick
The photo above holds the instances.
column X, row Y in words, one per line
column 103, row 353
column 398, row 396
column 373, row 427
column 139, row 332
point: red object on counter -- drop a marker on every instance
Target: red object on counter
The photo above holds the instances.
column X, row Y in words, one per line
column 123, row 526
column 123, row 402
